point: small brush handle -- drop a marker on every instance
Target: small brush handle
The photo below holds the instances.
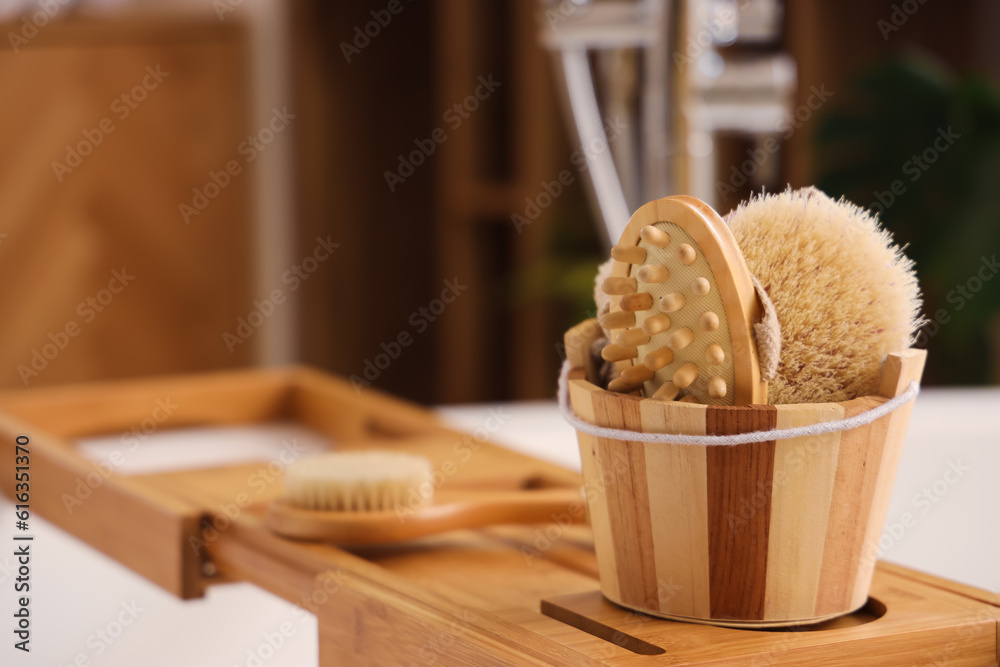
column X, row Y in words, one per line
column 450, row 511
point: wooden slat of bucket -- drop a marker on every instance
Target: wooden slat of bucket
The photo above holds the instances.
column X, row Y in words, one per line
column 577, row 342
column 801, row 494
column 867, row 464
column 624, row 468
column 814, row 574
column 581, row 398
column 854, row 490
column 739, row 508
column 899, row 369
column 677, row 502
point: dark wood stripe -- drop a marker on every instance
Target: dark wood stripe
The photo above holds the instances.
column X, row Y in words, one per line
column 624, row 467
column 739, row 512
column 858, row 467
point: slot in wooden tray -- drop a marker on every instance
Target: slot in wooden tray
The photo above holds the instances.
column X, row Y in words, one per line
column 507, row 595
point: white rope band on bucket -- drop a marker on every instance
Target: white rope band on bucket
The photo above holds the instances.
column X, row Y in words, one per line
column 861, row 419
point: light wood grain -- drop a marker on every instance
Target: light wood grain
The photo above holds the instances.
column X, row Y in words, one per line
column 855, row 490
column 596, row 487
column 801, row 493
column 677, row 506
column 626, row 487
column 369, row 615
column 899, row 369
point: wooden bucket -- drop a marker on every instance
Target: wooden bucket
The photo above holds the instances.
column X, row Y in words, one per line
column 773, row 533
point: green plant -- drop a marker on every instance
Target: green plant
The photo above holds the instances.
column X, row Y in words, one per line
column 920, row 145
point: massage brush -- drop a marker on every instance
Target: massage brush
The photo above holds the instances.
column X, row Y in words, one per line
column 376, row 497
column 682, row 308
column 844, row 294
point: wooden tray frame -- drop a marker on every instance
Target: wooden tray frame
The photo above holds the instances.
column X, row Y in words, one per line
column 135, row 522
column 370, row 614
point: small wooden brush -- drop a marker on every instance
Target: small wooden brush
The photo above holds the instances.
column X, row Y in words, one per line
column 682, row 308
column 376, row 497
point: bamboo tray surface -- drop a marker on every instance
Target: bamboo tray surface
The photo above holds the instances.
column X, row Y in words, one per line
column 506, row 595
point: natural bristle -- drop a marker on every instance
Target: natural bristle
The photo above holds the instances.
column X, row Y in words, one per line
column 845, row 295
column 359, row 481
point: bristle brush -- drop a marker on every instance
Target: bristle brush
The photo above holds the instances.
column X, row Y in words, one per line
column 374, row 497
column 844, row 294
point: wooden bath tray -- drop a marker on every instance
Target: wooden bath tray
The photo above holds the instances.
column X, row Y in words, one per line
column 508, row 595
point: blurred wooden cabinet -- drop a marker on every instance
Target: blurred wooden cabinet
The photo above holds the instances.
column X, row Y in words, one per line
column 497, row 343
column 107, row 132
column 473, row 75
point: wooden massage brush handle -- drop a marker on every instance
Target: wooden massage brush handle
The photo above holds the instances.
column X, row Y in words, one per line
column 451, row 510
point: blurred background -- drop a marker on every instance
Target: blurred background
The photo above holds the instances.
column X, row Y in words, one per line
column 415, row 194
